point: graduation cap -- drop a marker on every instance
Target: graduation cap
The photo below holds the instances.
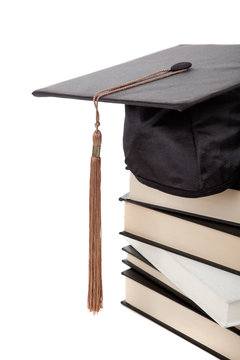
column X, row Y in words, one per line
column 181, row 130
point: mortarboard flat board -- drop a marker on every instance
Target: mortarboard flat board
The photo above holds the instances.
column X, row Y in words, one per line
column 204, row 129
column 216, row 70
column 181, row 132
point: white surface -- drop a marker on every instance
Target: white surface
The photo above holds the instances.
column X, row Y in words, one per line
column 45, row 146
column 216, row 291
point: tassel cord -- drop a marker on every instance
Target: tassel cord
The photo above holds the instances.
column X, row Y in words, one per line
column 95, row 290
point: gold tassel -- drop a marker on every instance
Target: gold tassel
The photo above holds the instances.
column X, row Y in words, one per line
column 95, row 293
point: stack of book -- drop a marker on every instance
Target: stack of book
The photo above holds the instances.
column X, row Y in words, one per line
column 184, row 260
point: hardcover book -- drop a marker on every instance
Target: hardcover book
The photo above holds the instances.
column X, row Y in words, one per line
column 169, row 311
column 211, row 242
column 224, row 206
column 215, row 292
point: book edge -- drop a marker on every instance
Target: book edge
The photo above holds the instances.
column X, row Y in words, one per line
column 173, row 330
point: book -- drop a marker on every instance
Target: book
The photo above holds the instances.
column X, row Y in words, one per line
column 203, row 240
column 167, row 310
column 139, row 263
column 215, row 292
column 223, row 206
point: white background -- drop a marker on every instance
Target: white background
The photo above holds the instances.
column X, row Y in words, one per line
column 45, row 147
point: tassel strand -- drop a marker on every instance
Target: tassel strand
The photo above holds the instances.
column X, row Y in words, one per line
column 95, row 293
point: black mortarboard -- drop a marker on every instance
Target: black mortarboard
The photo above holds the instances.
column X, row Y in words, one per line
column 181, row 132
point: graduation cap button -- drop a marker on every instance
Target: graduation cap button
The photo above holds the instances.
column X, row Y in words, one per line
column 181, row 66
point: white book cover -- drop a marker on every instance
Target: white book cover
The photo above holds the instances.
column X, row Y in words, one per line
column 216, row 291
